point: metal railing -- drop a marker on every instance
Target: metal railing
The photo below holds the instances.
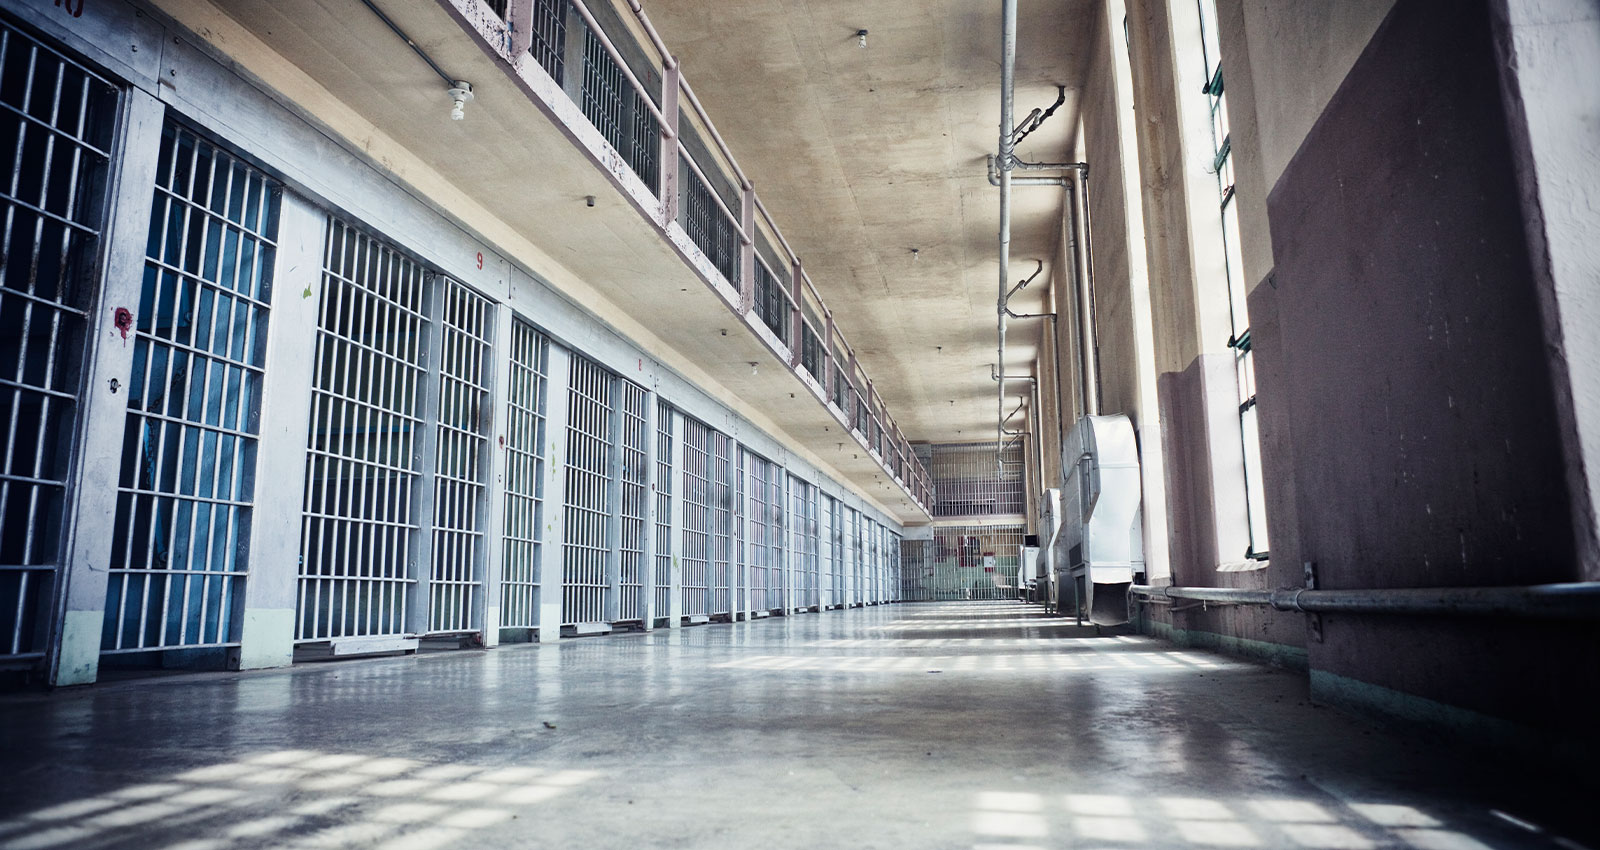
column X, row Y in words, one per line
column 667, row 139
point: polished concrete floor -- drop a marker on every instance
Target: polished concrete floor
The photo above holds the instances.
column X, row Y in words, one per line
column 948, row 725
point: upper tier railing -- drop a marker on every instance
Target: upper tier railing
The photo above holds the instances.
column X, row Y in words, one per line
column 647, row 112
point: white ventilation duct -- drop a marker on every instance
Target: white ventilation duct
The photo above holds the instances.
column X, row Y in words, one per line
column 1101, row 541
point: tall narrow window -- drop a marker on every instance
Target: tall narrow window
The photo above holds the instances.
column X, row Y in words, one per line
column 1239, row 338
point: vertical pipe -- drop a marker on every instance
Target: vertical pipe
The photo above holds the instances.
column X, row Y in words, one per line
column 1008, row 67
column 1088, row 357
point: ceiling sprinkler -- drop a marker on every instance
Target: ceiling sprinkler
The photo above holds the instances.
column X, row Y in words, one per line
column 460, row 95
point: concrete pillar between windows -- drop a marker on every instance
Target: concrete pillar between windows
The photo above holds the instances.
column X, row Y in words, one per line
column 495, row 498
column 270, row 592
column 555, row 494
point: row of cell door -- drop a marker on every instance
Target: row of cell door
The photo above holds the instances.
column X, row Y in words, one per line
column 413, row 518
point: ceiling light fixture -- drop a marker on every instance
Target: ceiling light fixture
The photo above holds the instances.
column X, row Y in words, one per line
column 752, row 367
column 460, row 93
column 861, row 39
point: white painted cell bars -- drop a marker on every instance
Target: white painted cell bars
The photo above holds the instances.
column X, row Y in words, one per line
column 696, row 502
column 56, row 124
column 460, row 480
column 364, row 460
column 585, row 549
column 632, row 516
column 526, row 386
column 181, row 537
column 722, row 581
column 663, row 496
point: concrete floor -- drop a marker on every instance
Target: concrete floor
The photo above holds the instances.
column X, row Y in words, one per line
column 948, row 725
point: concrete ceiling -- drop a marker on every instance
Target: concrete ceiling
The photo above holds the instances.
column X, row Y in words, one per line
column 860, row 155
column 863, row 154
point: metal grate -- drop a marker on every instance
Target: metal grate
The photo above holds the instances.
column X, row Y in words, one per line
column 696, row 502
column 181, row 538
column 708, row 228
column 524, row 500
column 811, row 352
column 895, row 562
column 364, row 459
column 841, row 387
column 612, row 105
column 664, row 547
column 56, row 124
column 760, row 547
column 803, row 541
column 858, row 557
column 828, row 535
column 739, row 546
column 634, row 476
column 967, row 481
column 584, row 547
column 722, row 581
column 550, row 36
column 778, row 563
column 460, row 486
column 769, row 302
column 962, row 562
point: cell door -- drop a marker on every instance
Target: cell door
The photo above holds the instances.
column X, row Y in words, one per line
column 181, row 538
column 57, row 124
column 829, row 554
column 365, row 459
column 525, row 455
column 461, row 460
column 664, row 543
column 777, row 539
column 632, row 514
column 760, row 549
column 585, row 550
column 858, row 564
column 697, row 515
column 722, row 581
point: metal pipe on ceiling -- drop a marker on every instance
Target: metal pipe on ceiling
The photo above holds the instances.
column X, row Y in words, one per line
column 994, row 178
column 1569, row 601
column 415, row 48
column 1083, row 294
column 1008, row 72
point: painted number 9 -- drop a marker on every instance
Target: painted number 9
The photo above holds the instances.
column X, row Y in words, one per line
column 480, row 259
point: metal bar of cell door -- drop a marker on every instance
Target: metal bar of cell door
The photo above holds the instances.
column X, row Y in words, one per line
column 632, row 513
column 613, row 517
column 525, row 453
column 662, row 501
column 648, row 536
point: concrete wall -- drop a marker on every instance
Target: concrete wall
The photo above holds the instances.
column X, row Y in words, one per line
column 1409, row 364
column 1422, row 294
